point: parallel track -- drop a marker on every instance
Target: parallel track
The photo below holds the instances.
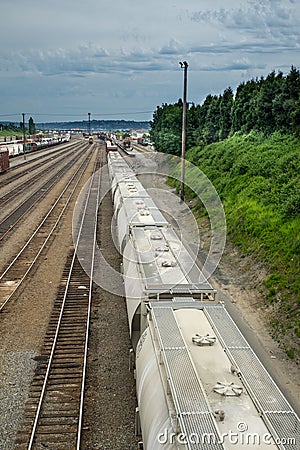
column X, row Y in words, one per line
column 18, row 270
column 14, row 217
column 23, row 186
column 54, row 412
column 32, row 164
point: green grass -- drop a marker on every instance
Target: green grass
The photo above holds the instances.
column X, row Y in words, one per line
column 6, row 133
column 258, row 181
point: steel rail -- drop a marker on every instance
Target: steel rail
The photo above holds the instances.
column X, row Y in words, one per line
column 58, row 326
column 25, row 184
column 34, row 163
column 80, row 420
column 41, row 195
column 11, row 265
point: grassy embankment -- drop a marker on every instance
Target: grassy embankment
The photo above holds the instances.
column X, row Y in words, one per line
column 8, row 133
column 258, row 181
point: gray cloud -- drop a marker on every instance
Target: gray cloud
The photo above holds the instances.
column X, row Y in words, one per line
column 259, row 17
column 74, row 56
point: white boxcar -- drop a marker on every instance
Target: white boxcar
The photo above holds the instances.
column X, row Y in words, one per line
column 14, row 148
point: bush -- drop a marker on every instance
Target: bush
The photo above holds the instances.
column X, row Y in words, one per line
column 258, row 181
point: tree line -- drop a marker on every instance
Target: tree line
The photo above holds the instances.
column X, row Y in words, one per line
column 18, row 129
column 263, row 104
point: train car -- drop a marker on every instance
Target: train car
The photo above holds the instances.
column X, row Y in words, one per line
column 133, row 212
column 110, row 146
column 200, row 385
column 133, row 206
column 115, row 160
column 91, row 140
column 128, row 187
column 14, row 147
column 126, row 143
column 157, row 267
column 4, row 160
column 31, row 146
column 118, row 170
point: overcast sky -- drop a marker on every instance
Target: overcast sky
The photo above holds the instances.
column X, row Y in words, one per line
column 119, row 59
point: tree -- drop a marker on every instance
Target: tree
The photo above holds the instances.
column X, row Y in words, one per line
column 270, row 88
column 166, row 128
column 31, row 126
column 266, row 105
column 212, row 121
column 243, row 114
column 201, row 115
column 286, row 103
column 225, row 113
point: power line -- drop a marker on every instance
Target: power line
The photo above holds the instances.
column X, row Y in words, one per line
column 78, row 115
column 117, row 114
column 8, row 115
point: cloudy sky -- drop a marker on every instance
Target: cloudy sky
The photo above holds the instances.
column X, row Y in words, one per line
column 61, row 59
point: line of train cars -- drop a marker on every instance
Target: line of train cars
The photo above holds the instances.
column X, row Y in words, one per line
column 16, row 147
column 199, row 384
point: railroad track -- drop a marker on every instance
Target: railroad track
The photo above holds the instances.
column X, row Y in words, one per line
column 23, row 186
column 142, row 148
column 34, row 164
column 14, row 217
column 17, row 271
column 54, row 411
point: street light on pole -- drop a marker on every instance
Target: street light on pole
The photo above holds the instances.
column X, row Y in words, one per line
column 184, row 65
column 24, row 135
column 89, row 124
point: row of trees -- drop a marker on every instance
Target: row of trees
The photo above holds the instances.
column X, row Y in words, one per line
column 13, row 128
column 10, row 127
column 266, row 104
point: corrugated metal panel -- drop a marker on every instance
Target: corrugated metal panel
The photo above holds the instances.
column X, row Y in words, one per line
column 278, row 413
column 193, row 412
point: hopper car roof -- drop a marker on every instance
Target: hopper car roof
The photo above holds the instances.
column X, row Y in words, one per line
column 165, row 263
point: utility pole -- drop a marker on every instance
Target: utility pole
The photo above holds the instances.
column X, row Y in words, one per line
column 184, row 65
column 89, row 125
column 24, row 136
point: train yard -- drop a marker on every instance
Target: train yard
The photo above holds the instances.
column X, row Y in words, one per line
column 65, row 341
column 38, row 249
